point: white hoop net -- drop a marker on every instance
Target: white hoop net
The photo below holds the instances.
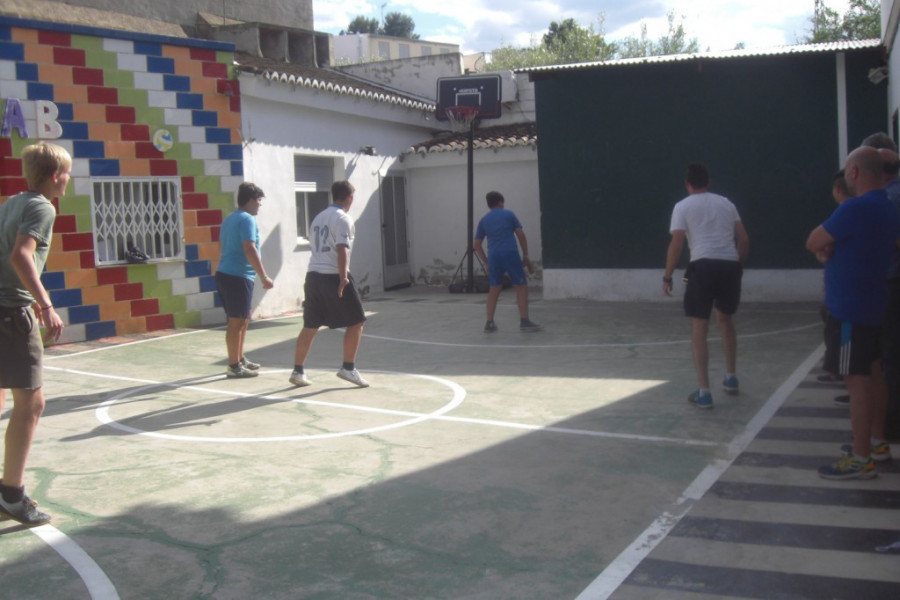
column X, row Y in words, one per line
column 460, row 117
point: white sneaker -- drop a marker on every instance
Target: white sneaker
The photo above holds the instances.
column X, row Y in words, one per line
column 353, row 377
column 240, row 372
column 299, row 379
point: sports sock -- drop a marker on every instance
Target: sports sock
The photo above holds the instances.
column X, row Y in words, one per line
column 298, row 368
column 11, row 494
column 235, row 366
column 348, row 366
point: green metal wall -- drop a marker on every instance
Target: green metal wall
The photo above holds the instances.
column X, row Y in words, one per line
column 614, row 143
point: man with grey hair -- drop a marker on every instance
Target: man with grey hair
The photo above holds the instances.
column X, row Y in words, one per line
column 855, row 243
column 879, row 140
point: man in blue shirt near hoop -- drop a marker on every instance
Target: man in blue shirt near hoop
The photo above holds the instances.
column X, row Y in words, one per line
column 501, row 227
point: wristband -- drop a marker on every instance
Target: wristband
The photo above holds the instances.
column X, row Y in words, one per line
column 667, row 279
column 48, row 307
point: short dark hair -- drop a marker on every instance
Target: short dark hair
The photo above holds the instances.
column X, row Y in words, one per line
column 248, row 191
column 493, row 199
column 697, row 176
column 838, row 181
column 879, row 140
column 341, row 190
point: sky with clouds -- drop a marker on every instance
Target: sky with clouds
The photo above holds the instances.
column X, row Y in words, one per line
column 484, row 25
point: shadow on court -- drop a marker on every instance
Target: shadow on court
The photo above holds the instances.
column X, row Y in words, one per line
column 512, row 466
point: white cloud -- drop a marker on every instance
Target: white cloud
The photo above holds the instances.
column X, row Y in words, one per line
column 482, row 25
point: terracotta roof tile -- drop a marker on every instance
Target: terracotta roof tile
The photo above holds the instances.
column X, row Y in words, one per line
column 491, row 137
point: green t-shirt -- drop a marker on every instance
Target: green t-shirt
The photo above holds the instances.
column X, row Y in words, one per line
column 26, row 213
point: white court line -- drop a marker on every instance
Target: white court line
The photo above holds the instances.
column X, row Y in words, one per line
column 587, row 432
column 446, row 344
column 416, row 417
column 597, row 345
column 459, row 394
column 98, row 584
column 621, row 567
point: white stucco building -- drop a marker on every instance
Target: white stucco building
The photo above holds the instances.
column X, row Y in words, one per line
column 304, row 128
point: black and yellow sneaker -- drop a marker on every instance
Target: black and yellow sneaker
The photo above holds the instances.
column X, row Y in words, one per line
column 849, row 467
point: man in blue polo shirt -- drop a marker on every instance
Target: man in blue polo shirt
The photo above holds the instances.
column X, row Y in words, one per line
column 856, row 243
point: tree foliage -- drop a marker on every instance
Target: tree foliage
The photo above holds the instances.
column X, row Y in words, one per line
column 399, row 25
column 565, row 42
column 862, row 21
column 675, row 41
column 395, row 24
column 361, row 24
column 568, row 42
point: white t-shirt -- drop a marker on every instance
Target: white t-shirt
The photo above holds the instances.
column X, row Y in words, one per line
column 330, row 228
column 708, row 221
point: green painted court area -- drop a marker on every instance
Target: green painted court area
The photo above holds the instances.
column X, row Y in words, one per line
column 555, row 465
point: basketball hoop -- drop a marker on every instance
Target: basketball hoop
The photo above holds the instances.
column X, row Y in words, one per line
column 460, row 117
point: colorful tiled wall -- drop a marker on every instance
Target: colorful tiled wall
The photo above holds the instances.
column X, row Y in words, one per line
column 114, row 91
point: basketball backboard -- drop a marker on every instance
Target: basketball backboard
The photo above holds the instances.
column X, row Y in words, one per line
column 482, row 91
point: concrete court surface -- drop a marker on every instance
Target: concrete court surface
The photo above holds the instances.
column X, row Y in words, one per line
column 555, row 465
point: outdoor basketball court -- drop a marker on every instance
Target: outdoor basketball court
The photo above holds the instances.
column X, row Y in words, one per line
column 557, row 465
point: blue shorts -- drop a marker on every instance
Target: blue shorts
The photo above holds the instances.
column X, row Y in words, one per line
column 236, row 294
column 506, row 262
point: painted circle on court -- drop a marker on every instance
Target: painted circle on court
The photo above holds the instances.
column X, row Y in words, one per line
column 458, row 395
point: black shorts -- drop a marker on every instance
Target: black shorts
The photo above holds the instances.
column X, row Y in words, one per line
column 712, row 282
column 323, row 307
column 21, row 349
column 236, row 294
column 851, row 349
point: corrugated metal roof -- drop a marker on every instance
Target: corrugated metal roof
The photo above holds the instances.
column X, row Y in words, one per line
column 721, row 55
column 486, row 138
column 326, row 80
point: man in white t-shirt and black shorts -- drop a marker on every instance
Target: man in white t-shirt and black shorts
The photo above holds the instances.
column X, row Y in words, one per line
column 718, row 247
column 331, row 298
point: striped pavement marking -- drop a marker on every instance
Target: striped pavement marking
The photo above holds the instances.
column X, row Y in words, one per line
column 770, row 527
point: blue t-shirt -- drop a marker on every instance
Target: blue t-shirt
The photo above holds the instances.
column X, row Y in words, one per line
column 893, row 194
column 864, row 230
column 237, row 228
column 498, row 226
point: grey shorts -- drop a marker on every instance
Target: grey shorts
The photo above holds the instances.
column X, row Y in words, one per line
column 21, row 349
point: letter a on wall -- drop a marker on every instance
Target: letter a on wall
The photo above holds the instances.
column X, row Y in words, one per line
column 13, row 117
column 45, row 117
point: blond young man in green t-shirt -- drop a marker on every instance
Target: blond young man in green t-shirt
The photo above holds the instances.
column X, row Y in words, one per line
column 26, row 225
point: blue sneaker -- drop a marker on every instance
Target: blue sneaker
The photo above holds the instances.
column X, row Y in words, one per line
column 731, row 384
column 849, row 467
column 701, row 400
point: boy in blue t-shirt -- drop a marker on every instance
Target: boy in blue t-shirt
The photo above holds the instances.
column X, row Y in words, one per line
column 239, row 264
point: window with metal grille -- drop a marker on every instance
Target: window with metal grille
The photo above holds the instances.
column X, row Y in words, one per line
column 313, row 176
column 144, row 213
